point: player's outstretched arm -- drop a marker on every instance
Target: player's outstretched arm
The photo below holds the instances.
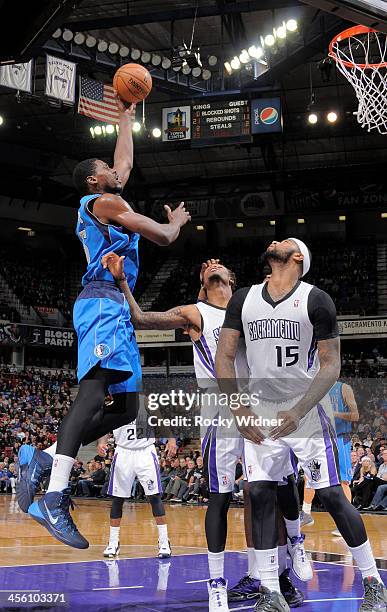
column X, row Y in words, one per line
column 177, row 317
column 350, row 402
column 116, row 210
column 329, row 356
column 123, row 154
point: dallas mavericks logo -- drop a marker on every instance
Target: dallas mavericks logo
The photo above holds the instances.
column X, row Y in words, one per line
column 315, row 470
column 269, row 115
column 151, row 485
column 101, row 350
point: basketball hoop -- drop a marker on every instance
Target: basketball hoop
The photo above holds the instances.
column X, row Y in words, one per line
column 361, row 56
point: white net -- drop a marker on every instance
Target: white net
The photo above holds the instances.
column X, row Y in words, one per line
column 362, row 59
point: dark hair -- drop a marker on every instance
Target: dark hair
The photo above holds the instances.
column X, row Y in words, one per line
column 232, row 278
column 81, row 171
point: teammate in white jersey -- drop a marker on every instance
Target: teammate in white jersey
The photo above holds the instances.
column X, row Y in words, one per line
column 135, row 455
column 293, row 353
column 221, row 449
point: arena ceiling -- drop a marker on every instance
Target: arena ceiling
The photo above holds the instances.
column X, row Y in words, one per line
column 41, row 143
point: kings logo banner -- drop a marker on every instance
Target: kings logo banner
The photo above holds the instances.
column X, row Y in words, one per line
column 176, row 123
column 60, row 79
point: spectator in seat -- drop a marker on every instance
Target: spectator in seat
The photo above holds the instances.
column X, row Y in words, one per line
column 363, row 487
column 379, row 501
column 180, row 470
column 91, row 484
column 184, row 483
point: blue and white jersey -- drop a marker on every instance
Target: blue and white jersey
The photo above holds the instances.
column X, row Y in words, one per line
column 99, row 238
column 338, row 405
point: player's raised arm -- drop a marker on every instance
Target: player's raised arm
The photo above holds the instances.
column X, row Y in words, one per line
column 177, row 317
column 123, row 154
column 115, row 210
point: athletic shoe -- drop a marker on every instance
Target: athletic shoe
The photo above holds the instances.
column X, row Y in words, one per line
column 112, row 550
column 375, row 596
column 306, row 519
column 246, row 588
column 293, row 596
column 53, row 512
column 270, row 601
column 300, row 563
column 34, row 467
column 217, row 595
column 337, row 533
column 176, row 500
column 165, row 550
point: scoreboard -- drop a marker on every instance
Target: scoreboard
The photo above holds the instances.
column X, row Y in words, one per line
column 221, row 122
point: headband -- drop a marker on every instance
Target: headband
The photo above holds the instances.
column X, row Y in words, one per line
column 304, row 251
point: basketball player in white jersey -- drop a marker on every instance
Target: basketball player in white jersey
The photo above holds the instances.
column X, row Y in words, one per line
column 135, row 455
column 293, row 353
column 221, row 449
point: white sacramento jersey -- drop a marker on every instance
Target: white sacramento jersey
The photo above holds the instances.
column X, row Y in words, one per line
column 281, row 337
column 205, row 348
column 137, row 434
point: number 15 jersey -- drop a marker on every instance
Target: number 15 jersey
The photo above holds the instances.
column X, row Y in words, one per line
column 281, row 337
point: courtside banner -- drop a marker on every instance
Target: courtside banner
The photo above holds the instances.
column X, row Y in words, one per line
column 351, row 327
column 150, row 335
column 17, row 76
column 266, row 116
column 60, row 79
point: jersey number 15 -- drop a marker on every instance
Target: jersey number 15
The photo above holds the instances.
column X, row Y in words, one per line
column 287, row 354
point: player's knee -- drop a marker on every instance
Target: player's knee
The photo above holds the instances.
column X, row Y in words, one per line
column 333, row 498
column 219, row 502
column 116, row 509
column 262, row 493
column 125, row 405
column 157, row 505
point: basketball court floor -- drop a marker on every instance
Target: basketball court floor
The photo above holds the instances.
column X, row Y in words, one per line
column 33, row 563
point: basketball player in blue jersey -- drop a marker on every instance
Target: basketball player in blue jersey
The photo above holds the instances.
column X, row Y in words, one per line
column 345, row 413
column 108, row 357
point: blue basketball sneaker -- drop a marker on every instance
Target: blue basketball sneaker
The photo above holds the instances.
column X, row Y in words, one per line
column 53, row 512
column 246, row 588
column 34, row 467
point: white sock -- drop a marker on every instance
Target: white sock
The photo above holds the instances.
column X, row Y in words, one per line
column 216, row 564
column 163, row 533
column 282, row 558
column 293, row 527
column 267, row 566
column 365, row 560
column 307, row 508
column 252, row 569
column 60, row 473
column 51, row 450
column 114, row 536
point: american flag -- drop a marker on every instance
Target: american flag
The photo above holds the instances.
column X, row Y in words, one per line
column 97, row 100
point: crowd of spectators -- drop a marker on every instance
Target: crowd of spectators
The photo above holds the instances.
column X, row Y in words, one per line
column 8, row 313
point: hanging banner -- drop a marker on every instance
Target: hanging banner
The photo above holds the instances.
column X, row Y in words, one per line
column 266, row 115
column 17, row 76
column 176, row 123
column 60, row 79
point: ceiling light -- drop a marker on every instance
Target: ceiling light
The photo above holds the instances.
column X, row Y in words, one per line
column 156, row 59
column 186, row 69
column 166, row 63
column 25, row 229
column 200, row 228
column 244, row 57
column 124, row 51
column 235, row 63
column 342, row 218
column 332, row 117
column 212, row 60
column 146, row 57
column 239, row 225
column 156, row 132
column 102, row 46
column 113, row 48
column 255, row 52
column 300, row 221
column 1, row 120
column 272, row 221
column 176, row 68
column 227, row 65
column 291, row 25
column 57, row 33
column 269, row 40
column 92, row 132
column 384, row 215
column 79, row 38
column 110, row 129
column 281, row 32
column 196, row 72
column 135, row 54
column 206, row 74
column 136, row 126
column 312, row 118
column 98, row 130
column 67, row 35
column 91, row 42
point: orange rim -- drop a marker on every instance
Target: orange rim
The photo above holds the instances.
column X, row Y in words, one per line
column 359, row 29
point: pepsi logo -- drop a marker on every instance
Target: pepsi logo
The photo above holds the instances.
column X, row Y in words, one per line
column 268, row 115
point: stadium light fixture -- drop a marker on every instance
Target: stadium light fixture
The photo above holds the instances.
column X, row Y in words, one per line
column 200, row 228
column 156, row 132
column 244, row 57
column 156, row 59
column 272, row 221
column 79, row 38
column 166, row 63
column 255, row 52
column 25, row 229
column 146, row 57
column 91, row 42
column 332, row 117
column 228, row 68
column 186, row 69
column 135, row 54
column 136, row 126
column 196, row 72
column 1, row 120
column 300, row 221
column 281, row 32
column 312, row 118
column 124, row 51
column 291, row 25
column 212, row 60
column 92, row 132
column 235, row 63
column 67, row 35
column 110, row 129
column 206, row 74
column 102, row 46
column 98, row 130
column 269, row 40
column 113, row 48
column 239, row 225
column 383, row 215
column 342, row 218
column 57, row 33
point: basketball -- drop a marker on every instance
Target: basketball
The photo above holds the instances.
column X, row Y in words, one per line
column 132, row 82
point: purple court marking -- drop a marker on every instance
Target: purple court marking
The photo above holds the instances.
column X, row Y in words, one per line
column 150, row 585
